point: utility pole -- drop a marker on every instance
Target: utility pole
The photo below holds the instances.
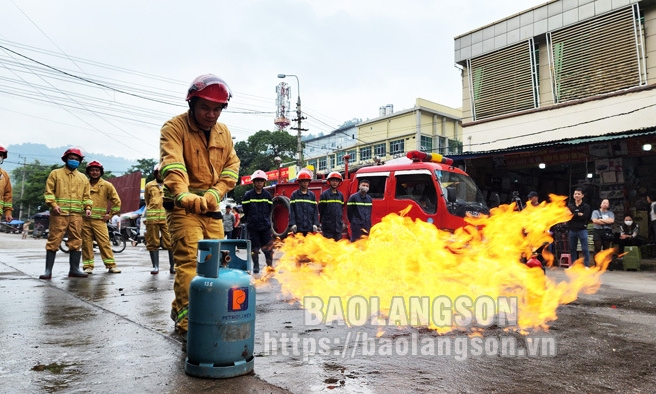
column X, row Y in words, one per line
column 299, row 118
column 20, row 215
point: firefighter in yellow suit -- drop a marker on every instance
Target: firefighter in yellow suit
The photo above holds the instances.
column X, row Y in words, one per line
column 67, row 195
column 95, row 226
column 157, row 232
column 199, row 166
column 6, row 205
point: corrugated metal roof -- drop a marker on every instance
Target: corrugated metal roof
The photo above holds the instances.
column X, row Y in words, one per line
column 565, row 142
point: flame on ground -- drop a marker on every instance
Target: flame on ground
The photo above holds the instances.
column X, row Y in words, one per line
column 406, row 258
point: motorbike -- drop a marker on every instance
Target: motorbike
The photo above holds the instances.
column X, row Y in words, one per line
column 116, row 241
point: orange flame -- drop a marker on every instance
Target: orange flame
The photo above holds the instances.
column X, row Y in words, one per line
column 405, row 258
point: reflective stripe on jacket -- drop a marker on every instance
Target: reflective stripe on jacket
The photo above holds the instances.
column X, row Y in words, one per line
column 102, row 193
column 154, row 198
column 257, row 210
column 5, row 192
column 192, row 164
column 358, row 211
column 304, row 212
column 331, row 210
column 69, row 190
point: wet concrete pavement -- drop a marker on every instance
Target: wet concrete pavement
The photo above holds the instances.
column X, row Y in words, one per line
column 111, row 333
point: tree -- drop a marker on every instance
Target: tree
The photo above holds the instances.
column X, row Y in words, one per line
column 259, row 151
column 146, row 167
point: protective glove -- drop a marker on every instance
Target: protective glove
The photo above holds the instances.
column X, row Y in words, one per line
column 315, row 228
column 294, row 228
column 191, row 203
column 212, row 197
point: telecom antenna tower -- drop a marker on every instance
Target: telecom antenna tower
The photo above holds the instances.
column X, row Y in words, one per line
column 282, row 106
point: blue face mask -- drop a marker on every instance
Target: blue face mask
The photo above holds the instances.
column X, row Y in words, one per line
column 73, row 164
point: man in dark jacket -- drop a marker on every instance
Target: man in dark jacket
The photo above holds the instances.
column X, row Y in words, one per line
column 331, row 208
column 358, row 211
column 257, row 204
column 304, row 215
column 578, row 226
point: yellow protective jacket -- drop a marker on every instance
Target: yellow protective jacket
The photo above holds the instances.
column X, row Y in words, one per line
column 5, row 192
column 69, row 190
column 154, row 196
column 102, row 193
column 191, row 164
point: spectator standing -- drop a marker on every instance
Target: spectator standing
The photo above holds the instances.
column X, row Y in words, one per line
column 578, row 226
column 358, row 210
column 26, row 229
column 95, row 226
column 229, row 222
column 116, row 222
column 652, row 216
column 257, row 204
column 6, row 205
column 603, row 220
column 157, row 231
column 331, row 208
column 199, row 166
column 68, row 196
column 304, row 214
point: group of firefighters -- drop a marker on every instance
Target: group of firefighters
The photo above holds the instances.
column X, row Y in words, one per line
column 198, row 166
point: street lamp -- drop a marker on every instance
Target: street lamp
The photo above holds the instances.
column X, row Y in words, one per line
column 299, row 118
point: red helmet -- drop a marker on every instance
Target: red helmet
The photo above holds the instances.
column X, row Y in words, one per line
column 3, row 151
column 73, row 150
column 304, row 174
column 95, row 164
column 259, row 174
column 210, row 87
column 335, row 175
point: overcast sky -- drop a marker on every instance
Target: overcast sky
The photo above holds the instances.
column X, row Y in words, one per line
column 106, row 75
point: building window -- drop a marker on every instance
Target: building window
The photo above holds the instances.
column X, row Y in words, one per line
column 397, row 146
column 426, row 143
column 353, row 153
column 365, row 153
column 331, row 160
column 502, row 82
column 340, row 158
column 322, row 164
column 312, row 163
column 597, row 56
column 379, row 150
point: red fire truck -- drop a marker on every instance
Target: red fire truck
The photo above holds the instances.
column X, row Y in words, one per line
column 438, row 192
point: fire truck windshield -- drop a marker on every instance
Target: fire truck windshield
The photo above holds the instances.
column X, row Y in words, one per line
column 461, row 194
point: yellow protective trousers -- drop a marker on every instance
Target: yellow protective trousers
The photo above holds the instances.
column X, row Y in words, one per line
column 186, row 230
column 59, row 226
column 157, row 233
column 96, row 229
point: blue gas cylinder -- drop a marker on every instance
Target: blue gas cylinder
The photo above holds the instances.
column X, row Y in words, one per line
column 221, row 316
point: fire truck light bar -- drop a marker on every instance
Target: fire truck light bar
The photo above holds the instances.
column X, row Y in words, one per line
column 416, row 155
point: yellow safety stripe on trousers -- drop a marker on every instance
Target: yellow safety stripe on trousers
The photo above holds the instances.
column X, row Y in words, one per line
column 230, row 174
column 87, row 262
column 4, row 205
column 98, row 213
column 182, row 313
column 108, row 261
column 173, row 166
column 155, row 214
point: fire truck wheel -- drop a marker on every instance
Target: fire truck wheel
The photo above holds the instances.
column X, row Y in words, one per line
column 280, row 216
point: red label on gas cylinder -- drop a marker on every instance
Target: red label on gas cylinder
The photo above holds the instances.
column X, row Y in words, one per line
column 237, row 299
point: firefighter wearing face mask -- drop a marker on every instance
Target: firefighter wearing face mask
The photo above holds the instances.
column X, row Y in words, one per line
column 6, row 206
column 199, row 166
column 68, row 196
column 95, row 226
column 358, row 211
column 157, row 232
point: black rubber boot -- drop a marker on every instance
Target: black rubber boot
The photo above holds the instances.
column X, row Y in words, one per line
column 154, row 258
column 171, row 263
column 255, row 257
column 50, row 262
column 74, row 262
